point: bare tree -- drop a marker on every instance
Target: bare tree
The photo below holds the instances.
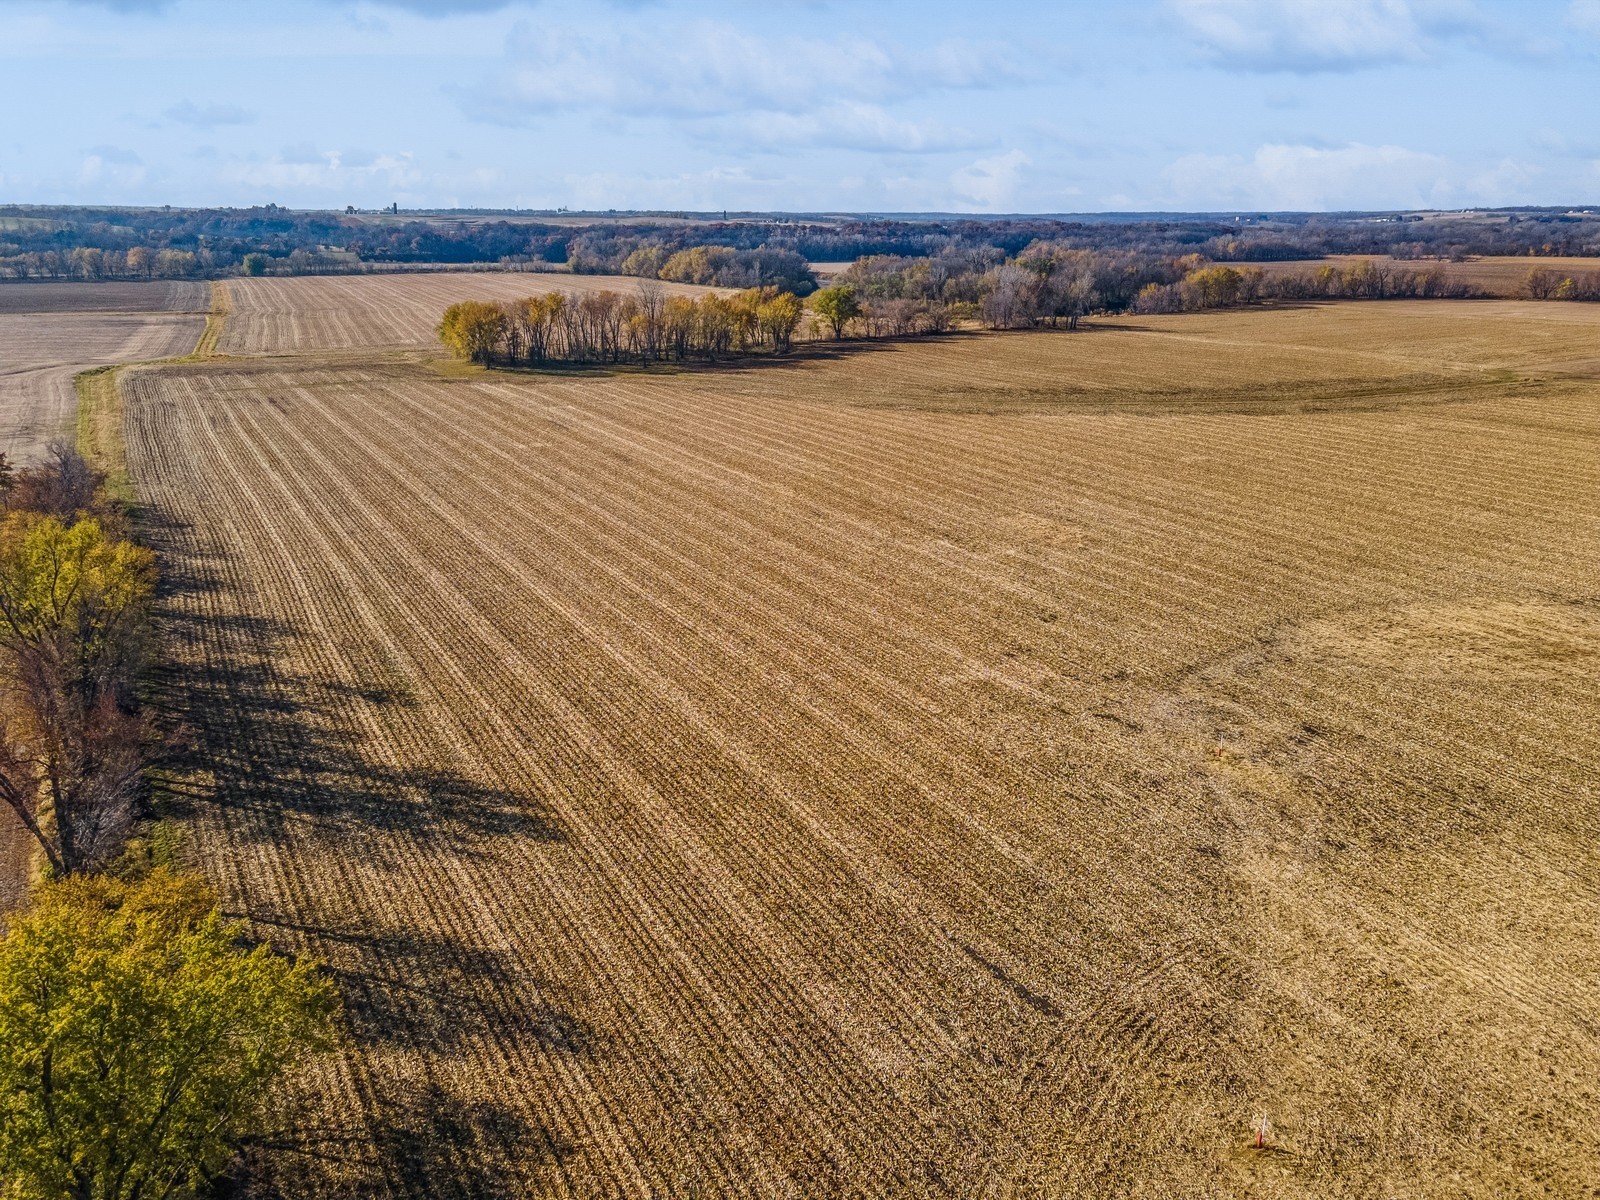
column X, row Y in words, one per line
column 63, row 485
column 652, row 303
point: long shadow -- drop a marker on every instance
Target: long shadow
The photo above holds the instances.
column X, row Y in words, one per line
column 277, row 757
column 276, row 746
column 732, row 363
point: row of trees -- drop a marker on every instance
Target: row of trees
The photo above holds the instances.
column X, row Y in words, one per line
column 1047, row 283
column 140, row 1037
column 89, row 262
column 220, row 238
column 1219, row 286
column 75, row 598
column 709, row 266
column 610, row 327
column 1545, row 284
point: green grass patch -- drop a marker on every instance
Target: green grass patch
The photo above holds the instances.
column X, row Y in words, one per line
column 99, row 430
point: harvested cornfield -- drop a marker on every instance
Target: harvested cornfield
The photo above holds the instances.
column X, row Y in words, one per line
column 1009, row 766
column 309, row 313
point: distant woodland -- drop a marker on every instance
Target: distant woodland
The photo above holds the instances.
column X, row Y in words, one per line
column 106, row 243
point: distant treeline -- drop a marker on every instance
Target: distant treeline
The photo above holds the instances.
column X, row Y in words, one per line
column 1367, row 279
column 1275, row 238
column 714, row 266
column 1048, row 283
column 40, row 242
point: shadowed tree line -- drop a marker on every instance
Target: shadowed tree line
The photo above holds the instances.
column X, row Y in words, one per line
column 141, row 1034
column 274, row 754
column 1204, row 287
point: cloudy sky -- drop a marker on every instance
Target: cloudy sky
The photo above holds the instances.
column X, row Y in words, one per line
column 805, row 105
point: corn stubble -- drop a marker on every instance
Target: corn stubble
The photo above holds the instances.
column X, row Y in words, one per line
column 1019, row 766
column 358, row 312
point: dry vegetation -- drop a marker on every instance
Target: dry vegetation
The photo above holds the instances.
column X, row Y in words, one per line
column 996, row 767
column 311, row 313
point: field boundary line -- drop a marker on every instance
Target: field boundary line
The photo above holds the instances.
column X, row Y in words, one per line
column 100, row 435
column 221, row 306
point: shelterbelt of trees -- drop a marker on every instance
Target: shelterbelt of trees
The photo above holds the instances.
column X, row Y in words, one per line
column 610, row 327
column 1048, row 284
column 140, row 1035
column 38, row 242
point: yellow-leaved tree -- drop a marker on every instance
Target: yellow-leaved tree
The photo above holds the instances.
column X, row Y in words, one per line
column 473, row 329
column 74, row 611
column 139, row 1039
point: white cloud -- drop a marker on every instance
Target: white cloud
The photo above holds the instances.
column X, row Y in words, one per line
column 715, row 188
column 1312, row 178
column 711, row 69
column 1326, row 35
column 988, row 184
column 119, row 169
column 849, row 125
column 738, row 89
column 327, row 173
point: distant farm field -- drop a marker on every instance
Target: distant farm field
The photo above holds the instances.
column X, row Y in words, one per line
column 1004, row 766
column 72, row 296
column 342, row 312
column 51, row 331
column 1495, row 276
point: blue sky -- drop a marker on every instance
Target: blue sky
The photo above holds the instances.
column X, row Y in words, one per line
column 1077, row 105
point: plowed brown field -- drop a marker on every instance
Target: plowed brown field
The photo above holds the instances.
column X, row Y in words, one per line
column 153, row 296
column 306, row 313
column 1001, row 767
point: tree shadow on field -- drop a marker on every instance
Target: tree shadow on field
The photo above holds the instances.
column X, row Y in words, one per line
column 276, row 763
column 413, row 987
column 419, row 1139
column 802, row 354
column 278, row 747
column 462, row 1148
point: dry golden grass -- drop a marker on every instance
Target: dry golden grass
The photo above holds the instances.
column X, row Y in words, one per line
column 311, row 313
column 999, row 767
column 1502, row 275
